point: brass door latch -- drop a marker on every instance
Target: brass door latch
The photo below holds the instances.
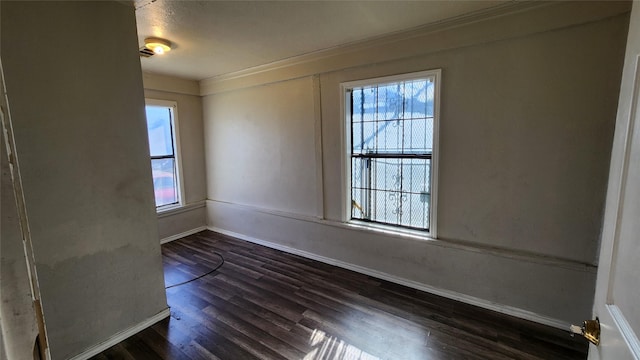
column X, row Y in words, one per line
column 590, row 330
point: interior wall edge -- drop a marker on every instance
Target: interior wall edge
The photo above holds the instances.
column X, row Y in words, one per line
column 99, row 226
column 119, row 337
column 18, row 326
column 181, row 222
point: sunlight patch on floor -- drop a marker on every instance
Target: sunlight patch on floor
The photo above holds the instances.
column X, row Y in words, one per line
column 331, row 348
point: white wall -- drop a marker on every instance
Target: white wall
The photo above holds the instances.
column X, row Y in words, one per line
column 80, row 131
column 173, row 224
column 260, row 148
column 528, row 109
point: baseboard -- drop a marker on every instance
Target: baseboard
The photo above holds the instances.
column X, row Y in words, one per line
column 182, row 234
column 625, row 330
column 118, row 337
column 504, row 309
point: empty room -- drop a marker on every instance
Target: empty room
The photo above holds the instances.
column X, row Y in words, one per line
column 319, row 180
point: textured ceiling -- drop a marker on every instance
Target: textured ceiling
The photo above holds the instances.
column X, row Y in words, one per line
column 212, row 38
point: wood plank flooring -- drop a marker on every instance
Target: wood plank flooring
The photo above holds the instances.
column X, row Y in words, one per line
column 267, row 304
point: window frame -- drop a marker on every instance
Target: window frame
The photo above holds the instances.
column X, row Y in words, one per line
column 175, row 132
column 345, row 109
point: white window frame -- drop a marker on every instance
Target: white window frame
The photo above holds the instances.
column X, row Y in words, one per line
column 177, row 153
column 345, row 88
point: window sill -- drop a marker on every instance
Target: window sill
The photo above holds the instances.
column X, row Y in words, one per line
column 171, row 210
column 391, row 230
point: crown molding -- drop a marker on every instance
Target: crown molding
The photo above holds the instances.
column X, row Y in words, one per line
column 511, row 20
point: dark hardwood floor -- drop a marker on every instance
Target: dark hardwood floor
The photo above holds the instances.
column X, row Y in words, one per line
column 267, row 304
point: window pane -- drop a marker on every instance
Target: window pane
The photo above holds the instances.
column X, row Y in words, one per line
column 359, row 188
column 393, row 118
column 363, row 137
column 400, row 192
column 416, row 185
column 390, row 102
column 392, row 126
column 356, row 138
column 164, row 181
column 160, row 132
column 368, row 106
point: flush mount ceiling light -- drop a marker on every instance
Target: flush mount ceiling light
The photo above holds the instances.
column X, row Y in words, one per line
column 157, row 45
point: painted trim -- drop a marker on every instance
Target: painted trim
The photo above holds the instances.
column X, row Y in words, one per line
column 180, row 209
column 182, row 234
column 622, row 183
column 435, row 156
column 122, row 335
column 559, row 262
column 6, row 125
column 346, row 88
column 207, row 86
column 504, row 309
column 317, row 112
column 626, row 330
column 285, row 214
column 177, row 156
column 345, row 158
column 540, row 16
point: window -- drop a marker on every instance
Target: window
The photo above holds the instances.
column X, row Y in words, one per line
column 161, row 125
column 392, row 133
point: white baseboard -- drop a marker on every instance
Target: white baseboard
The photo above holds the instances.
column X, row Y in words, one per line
column 625, row 330
column 182, row 234
column 504, row 309
column 118, row 337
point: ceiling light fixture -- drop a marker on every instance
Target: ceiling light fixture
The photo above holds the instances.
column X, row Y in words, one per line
column 157, row 45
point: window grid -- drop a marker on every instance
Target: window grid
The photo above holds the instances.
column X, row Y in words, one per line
column 164, row 165
column 391, row 152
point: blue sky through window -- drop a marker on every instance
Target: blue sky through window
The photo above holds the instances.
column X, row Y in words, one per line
column 159, row 127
